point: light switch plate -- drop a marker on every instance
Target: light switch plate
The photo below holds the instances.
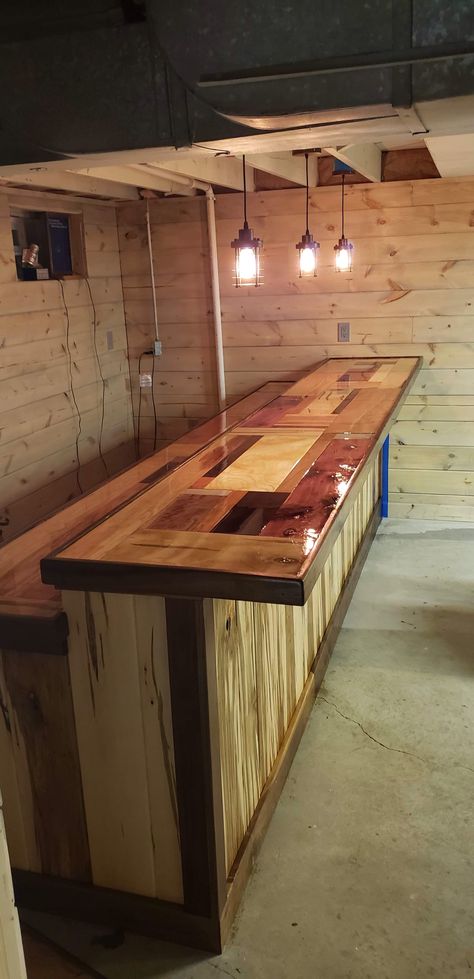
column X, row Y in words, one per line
column 343, row 332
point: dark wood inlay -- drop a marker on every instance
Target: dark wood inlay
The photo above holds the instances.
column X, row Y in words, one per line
column 241, row 446
column 192, row 752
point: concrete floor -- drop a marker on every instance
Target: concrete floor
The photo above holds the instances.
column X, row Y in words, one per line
column 366, row 871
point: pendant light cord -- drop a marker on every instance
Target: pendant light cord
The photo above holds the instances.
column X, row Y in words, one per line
column 245, row 192
column 307, row 194
column 342, row 203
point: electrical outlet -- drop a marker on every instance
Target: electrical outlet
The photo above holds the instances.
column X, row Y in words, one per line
column 157, row 348
column 343, row 332
column 146, row 380
column 110, row 340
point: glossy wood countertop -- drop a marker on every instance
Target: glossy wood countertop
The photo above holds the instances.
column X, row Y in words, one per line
column 250, row 515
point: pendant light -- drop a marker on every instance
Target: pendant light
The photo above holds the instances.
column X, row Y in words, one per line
column 307, row 247
column 247, row 250
column 343, row 249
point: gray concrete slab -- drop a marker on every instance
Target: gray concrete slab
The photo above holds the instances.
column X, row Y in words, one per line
column 366, row 870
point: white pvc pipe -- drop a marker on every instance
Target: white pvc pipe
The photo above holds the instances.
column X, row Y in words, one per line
column 216, row 297
column 178, row 178
column 152, row 270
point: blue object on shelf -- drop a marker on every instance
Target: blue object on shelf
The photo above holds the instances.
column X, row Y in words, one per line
column 59, row 244
column 340, row 167
column 384, row 487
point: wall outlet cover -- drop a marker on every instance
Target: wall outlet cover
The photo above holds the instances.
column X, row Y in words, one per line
column 343, row 332
column 157, row 348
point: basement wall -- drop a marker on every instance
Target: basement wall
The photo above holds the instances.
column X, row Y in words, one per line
column 41, row 466
column 411, row 292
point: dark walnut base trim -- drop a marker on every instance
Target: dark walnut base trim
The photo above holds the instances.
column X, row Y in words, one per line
column 34, row 633
column 161, row 919
column 117, row 909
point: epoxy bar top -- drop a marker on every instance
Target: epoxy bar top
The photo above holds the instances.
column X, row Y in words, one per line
column 248, row 515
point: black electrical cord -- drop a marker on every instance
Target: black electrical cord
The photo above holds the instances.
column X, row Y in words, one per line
column 307, row 194
column 94, row 338
column 342, row 202
column 146, row 353
column 245, row 191
column 139, row 402
column 71, row 385
column 155, row 420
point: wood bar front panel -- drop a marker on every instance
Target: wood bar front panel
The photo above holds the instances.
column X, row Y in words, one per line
column 264, row 654
column 40, row 777
column 120, row 686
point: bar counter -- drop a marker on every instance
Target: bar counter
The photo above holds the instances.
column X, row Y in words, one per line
column 201, row 615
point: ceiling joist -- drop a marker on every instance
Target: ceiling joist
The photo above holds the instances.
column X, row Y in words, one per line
column 287, row 166
column 453, row 155
column 138, row 176
column 225, row 171
column 74, row 183
column 365, row 158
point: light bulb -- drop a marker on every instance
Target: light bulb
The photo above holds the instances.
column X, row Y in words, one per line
column 307, row 261
column 246, row 265
column 343, row 259
column 343, row 255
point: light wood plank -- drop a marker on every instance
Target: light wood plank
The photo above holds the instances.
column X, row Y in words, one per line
column 107, row 705
column 12, row 959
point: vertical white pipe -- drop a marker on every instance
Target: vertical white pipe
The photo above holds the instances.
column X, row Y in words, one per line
column 152, row 270
column 216, row 298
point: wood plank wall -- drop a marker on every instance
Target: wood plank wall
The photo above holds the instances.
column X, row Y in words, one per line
column 411, row 292
column 185, row 383
column 38, row 418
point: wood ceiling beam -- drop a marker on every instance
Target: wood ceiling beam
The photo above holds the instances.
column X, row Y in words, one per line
column 140, row 176
column 453, row 155
column 365, row 158
column 73, row 182
column 225, row 171
column 287, row 166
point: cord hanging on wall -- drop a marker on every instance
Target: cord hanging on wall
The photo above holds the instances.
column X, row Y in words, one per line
column 344, row 248
column 247, row 250
column 307, row 247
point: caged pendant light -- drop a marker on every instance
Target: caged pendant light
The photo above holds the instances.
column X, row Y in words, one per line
column 247, row 250
column 343, row 249
column 307, row 247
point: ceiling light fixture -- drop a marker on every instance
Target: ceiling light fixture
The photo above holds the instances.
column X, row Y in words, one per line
column 307, row 247
column 344, row 248
column 247, row 250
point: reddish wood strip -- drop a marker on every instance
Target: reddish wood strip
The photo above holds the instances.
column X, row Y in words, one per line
column 322, row 489
column 270, row 415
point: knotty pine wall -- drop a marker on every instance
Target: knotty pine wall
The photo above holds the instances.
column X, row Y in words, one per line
column 38, row 418
column 185, row 380
column 411, row 292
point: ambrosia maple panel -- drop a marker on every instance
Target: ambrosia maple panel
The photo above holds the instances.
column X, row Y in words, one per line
column 266, row 654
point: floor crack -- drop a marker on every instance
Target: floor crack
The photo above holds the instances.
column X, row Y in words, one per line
column 353, row 720
column 219, row 968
